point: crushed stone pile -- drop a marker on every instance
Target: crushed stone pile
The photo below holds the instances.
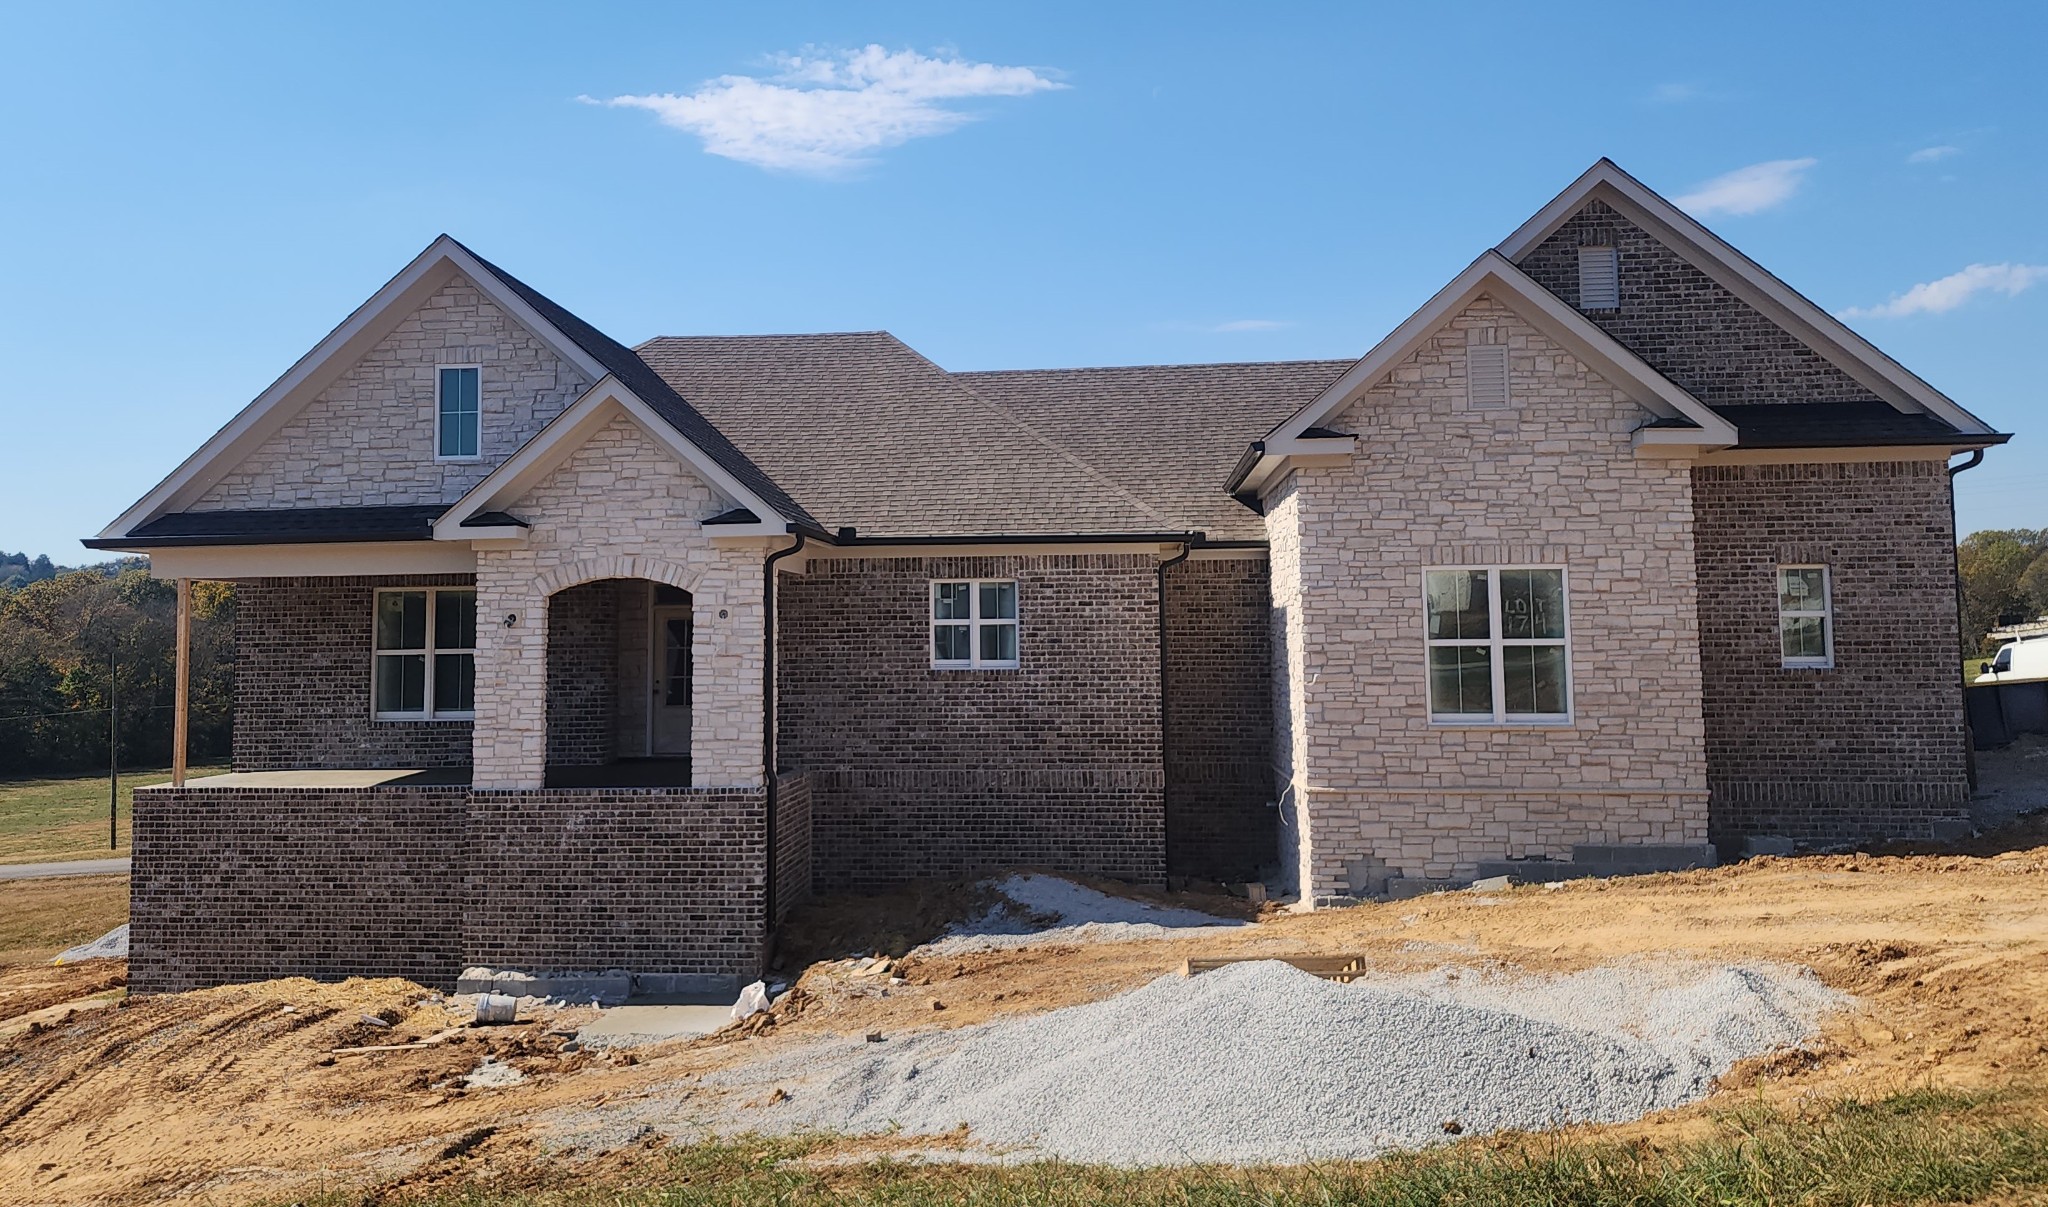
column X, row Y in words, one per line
column 1262, row 1062
column 1047, row 909
column 110, row 946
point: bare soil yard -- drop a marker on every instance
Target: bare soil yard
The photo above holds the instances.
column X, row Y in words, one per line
column 236, row 1095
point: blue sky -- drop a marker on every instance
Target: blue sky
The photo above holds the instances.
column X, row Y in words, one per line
column 195, row 194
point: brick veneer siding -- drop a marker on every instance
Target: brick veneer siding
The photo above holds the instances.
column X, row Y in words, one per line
column 238, row 884
column 583, row 674
column 368, row 438
column 1219, row 720
column 302, row 680
column 792, row 842
column 1876, row 745
column 619, row 507
column 1552, row 480
column 1685, row 324
column 920, row 772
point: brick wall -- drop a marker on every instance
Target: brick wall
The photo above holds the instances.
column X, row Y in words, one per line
column 583, row 674
column 1552, row 480
column 236, row 884
column 792, row 842
column 302, row 680
column 1219, row 720
column 1874, row 746
column 1686, row 325
column 921, row 772
column 368, row 438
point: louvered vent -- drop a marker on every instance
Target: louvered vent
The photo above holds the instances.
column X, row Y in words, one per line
column 1599, row 278
column 1486, row 375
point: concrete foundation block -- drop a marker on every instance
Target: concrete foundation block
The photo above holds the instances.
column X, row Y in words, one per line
column 1632, row 859
column 1767, row 844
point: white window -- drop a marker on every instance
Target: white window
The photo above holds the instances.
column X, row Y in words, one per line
column 974, row 623
column 1599, row 278
column 1486, row 375
column 1806, row 622
column 1498, row 647
column 458, row 412
column 425, row 655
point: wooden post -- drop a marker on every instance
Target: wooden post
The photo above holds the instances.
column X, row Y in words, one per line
column 182, row 699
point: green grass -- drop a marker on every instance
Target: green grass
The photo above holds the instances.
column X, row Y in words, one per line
column 66, row 818
column 1926, row 1146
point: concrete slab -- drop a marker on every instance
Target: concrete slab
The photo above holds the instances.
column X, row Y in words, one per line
column 400, row 776
column 632, row 1025
column 67, row 867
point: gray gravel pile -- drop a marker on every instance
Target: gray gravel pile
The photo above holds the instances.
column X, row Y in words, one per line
column 1262, row 1062
column 1047, row 909
column 110, row 946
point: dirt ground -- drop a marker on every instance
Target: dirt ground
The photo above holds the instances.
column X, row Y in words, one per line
column 237, row 1094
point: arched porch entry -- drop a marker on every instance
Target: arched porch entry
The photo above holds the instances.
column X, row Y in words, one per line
column 620, row 684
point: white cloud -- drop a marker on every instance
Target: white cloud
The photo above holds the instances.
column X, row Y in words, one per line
column 1674, row 93
column 827, row 112
column 1250, row 325
column 1933, row 154
column 1951, row 291
column 1747, row 190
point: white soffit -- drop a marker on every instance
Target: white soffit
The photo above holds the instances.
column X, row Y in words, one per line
column 1493, row 275
column 1747, row 280
column 565, row 433
column 330, row 358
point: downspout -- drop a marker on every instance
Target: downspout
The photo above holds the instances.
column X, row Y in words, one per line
column 1166, row 837
column 768, row 728
column 1955, row 549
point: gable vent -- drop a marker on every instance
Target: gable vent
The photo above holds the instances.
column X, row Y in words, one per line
column 1599, row 278
column 1486, row 375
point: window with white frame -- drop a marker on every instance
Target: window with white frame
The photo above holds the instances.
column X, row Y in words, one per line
column 1806, row 622
column 1497, row 643
column 974, row 623
column 458, row 413
column 425, row 652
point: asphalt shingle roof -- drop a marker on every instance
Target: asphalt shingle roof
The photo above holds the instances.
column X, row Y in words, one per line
column 1832, row 425
column 282, row 526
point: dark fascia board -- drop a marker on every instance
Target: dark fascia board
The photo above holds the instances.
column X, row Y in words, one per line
column 1958, row 441
column 366, row 536
column 1245, row 464
column 1196, row 539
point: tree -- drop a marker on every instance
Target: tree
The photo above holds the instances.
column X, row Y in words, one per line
column 1993, row 565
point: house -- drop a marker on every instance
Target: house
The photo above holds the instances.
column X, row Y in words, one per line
column 560, row 656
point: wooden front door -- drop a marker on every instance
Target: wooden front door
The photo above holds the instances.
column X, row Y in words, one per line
column 670, row 728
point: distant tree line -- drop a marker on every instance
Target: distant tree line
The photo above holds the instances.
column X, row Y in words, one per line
column 68, row 639
column 2005, row 581
column 19, row 569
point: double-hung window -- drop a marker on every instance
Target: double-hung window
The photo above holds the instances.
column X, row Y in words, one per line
column 1497, row 645
column 458, row 413
column 1806, row 628
column 425, row 654
column 974, row 624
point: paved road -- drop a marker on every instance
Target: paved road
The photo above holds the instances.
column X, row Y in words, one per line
column 73, row 867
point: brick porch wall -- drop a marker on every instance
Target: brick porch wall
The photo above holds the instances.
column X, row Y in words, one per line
column 1220, row 823
column 302, row 680
column 792, row 842
column 919, row 772
column 242, row 884
column 1876, row 745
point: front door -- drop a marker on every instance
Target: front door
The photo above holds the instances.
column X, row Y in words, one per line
column 670, row 726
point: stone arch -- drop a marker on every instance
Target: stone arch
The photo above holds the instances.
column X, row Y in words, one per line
column 654, row 569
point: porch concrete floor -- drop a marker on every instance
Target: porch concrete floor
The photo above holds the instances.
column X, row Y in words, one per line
column 626, row 773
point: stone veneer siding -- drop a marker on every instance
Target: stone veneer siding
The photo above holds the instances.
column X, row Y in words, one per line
column 1687, row 325
column 1874, row 746
column 237, row 884
column 619, row 507
column 918, row 772
column 1220, row 822
column 243, row 884
column 368, row 439
column 1377, row 789
column 302, row 680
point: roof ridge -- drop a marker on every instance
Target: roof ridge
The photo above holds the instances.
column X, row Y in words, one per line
column 1061, row 450
column 762, row 335
column 1200, row 364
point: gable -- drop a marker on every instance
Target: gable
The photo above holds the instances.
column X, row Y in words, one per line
column 1687, row 325
column 617, row 487
column 367, row 439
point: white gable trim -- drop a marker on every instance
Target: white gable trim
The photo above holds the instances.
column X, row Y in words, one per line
column 1746, row 279
column 567, row 432
column 347, row 344
column 1493, row 275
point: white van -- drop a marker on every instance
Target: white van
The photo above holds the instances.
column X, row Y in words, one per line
column 2026, row 658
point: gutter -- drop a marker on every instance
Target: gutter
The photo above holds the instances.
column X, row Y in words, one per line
column 768, row 770
column 1956, row 553
column 1165, row 812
